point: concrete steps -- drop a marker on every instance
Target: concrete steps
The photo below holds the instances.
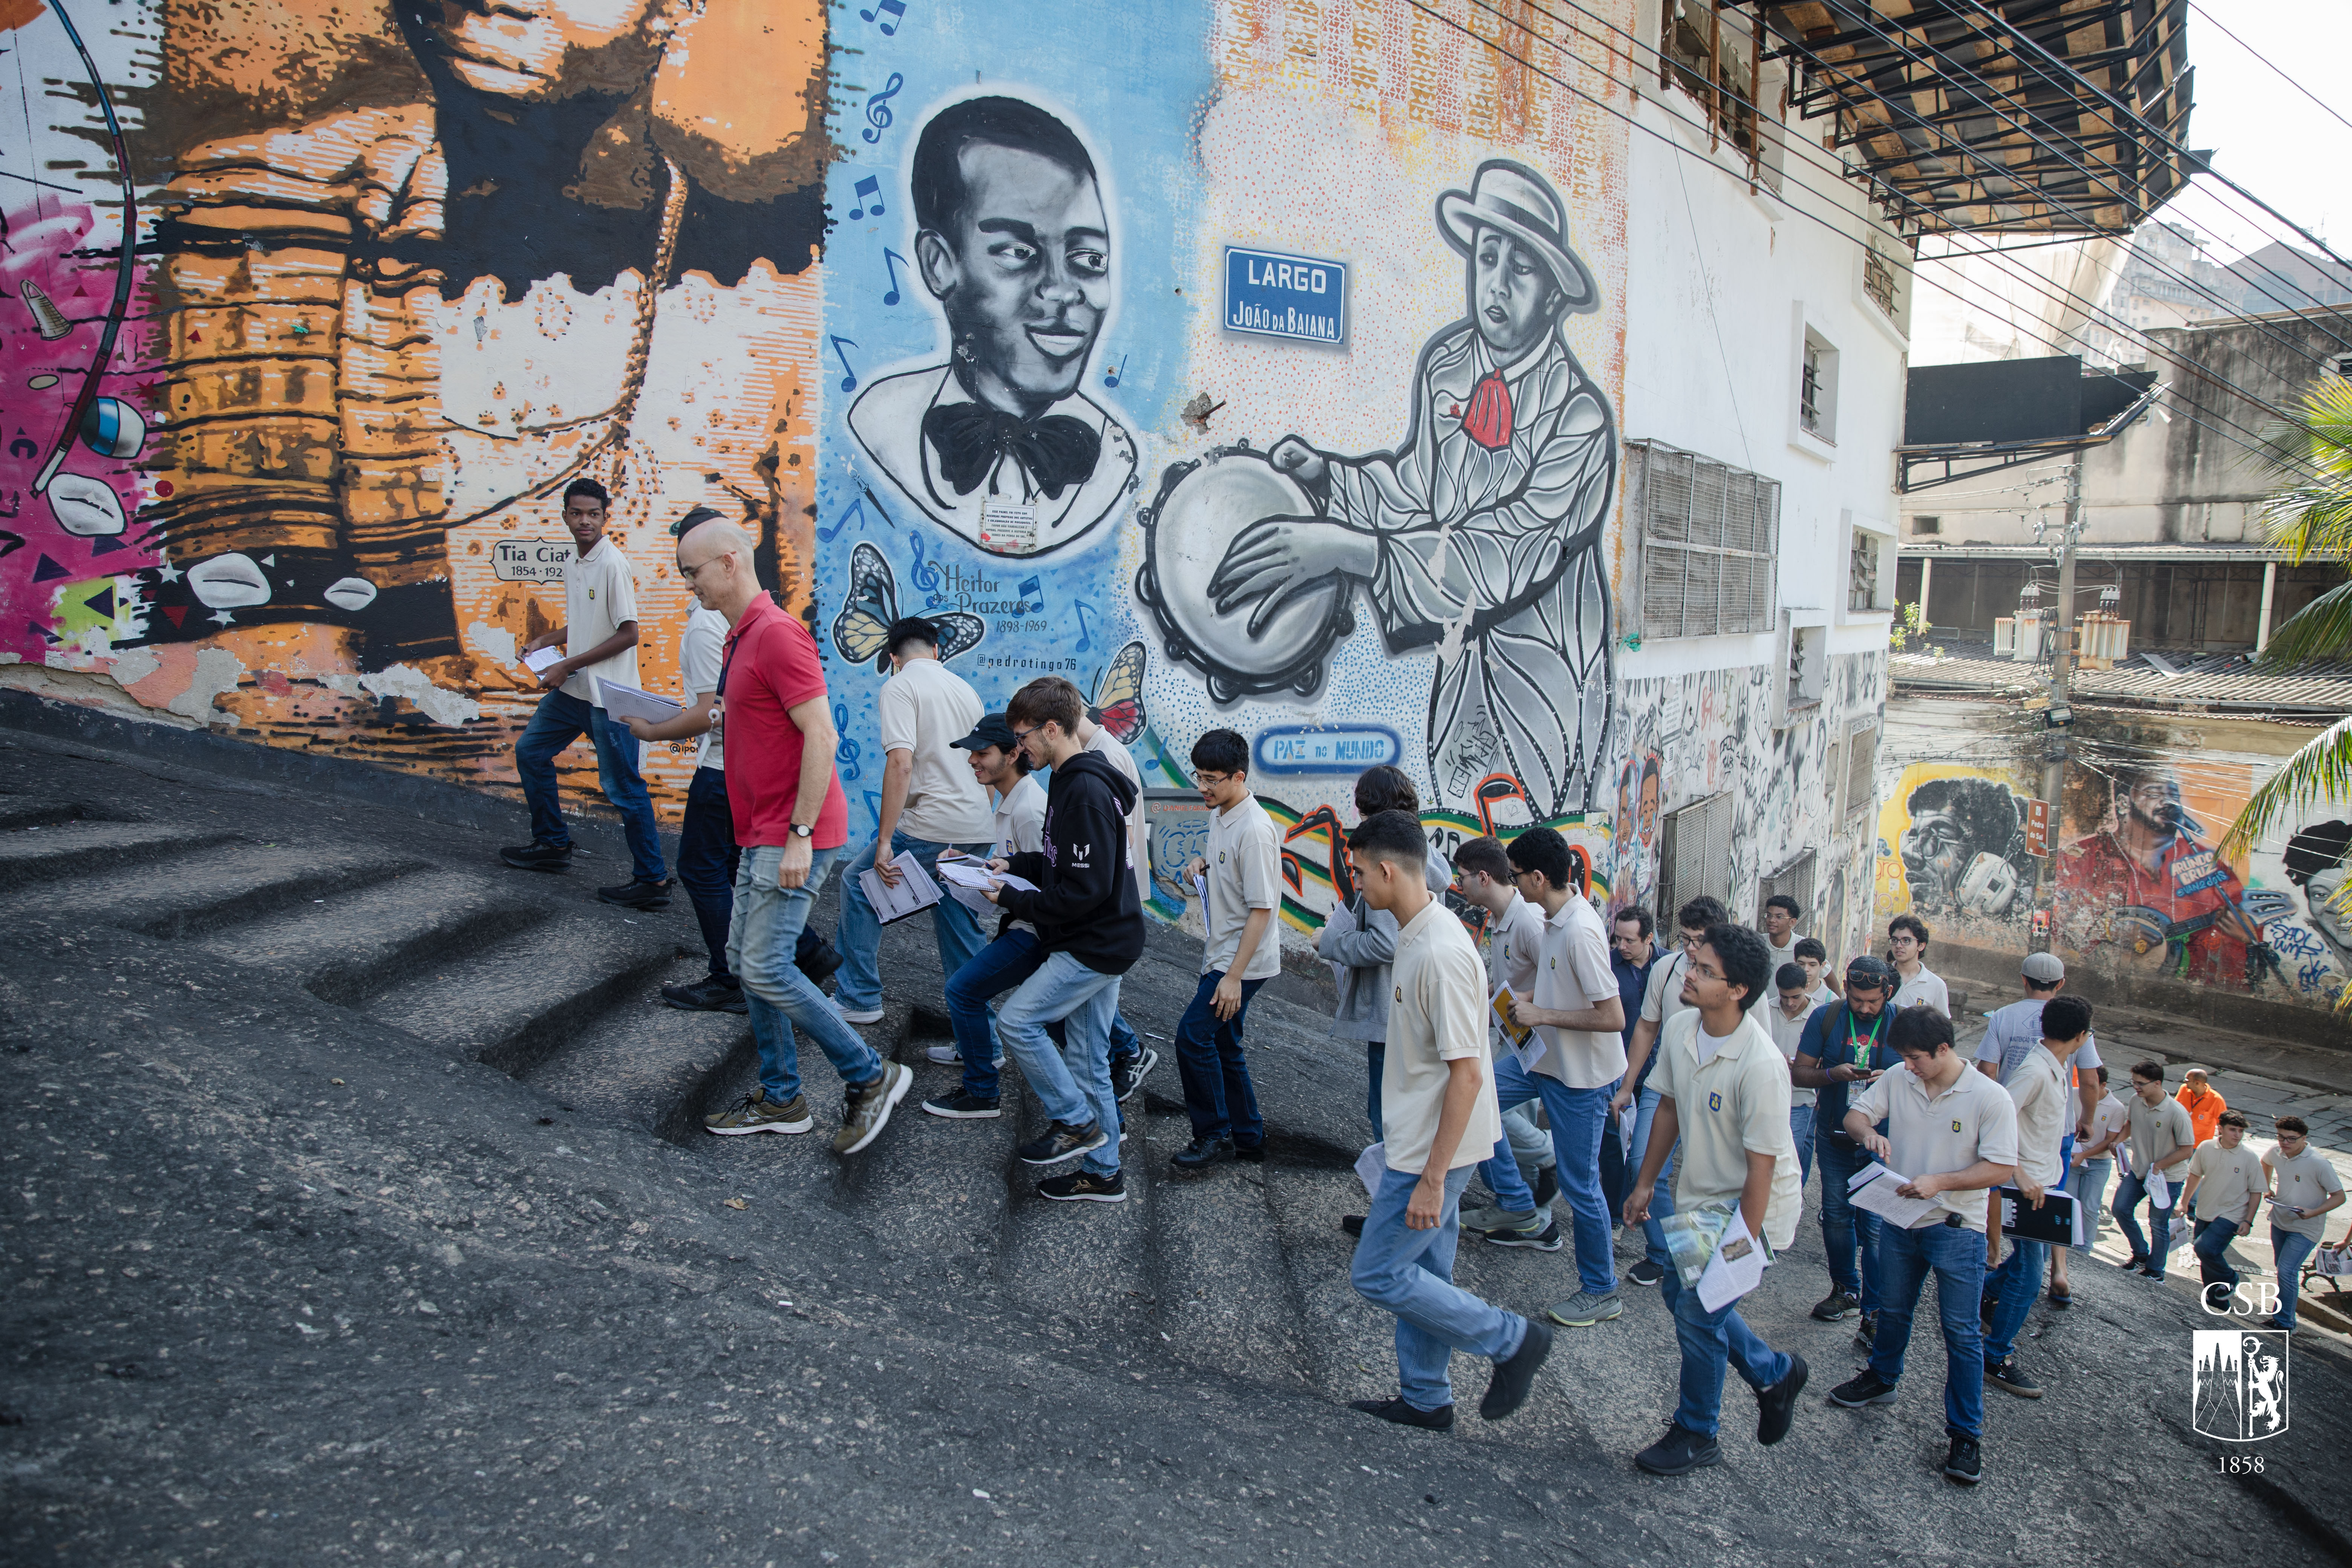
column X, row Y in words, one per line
column 233, row 884
column 73, row 846
column 642, row 1063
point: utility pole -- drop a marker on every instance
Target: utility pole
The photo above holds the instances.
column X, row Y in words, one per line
column 2058, row 716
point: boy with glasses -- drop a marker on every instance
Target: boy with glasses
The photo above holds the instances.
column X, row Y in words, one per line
column 1918, row 985
column 1241, row 871
column 2303, row 1189
column 2226, row 1184
column 1846, row 1044
column 2161, row 1140
column 1661, row 1000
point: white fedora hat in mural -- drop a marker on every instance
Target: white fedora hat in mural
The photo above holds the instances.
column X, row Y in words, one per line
column 1515, row 200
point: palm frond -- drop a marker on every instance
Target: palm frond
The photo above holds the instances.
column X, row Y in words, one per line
column 2321, row 629
column 2322, row 770
column 2308, row 458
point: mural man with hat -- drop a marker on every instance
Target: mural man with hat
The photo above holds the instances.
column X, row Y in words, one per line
column 1480, row 536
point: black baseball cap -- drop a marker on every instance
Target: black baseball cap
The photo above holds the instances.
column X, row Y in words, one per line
column 992, row 730
column 1873, row 972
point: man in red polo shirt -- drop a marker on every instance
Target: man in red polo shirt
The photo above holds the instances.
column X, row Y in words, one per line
column 791, row 822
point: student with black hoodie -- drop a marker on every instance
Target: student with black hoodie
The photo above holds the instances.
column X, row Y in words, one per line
column 1088, row 917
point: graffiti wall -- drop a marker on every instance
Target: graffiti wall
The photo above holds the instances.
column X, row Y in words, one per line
column 1952, row 850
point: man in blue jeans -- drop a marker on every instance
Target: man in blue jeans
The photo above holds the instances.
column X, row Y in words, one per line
column 2161, row 1142
column 2037, row 1091
column 1239, row 877
column 790, row 821
column 1844, row 1044
column 1661, row 1002
column 2304, row 1188
column 931, row 803
column 1952, row 1133
column 599, row 637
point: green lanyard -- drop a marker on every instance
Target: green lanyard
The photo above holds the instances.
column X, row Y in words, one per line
column 1858, row 1048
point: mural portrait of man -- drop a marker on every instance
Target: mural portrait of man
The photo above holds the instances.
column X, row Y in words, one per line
column 1000, row 444
column 1964, row 852
column 1480, row 536
column 2319, row 861
column 2149, row 891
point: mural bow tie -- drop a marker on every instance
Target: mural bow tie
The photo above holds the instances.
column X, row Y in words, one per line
column 1056, row 452
column 1488, row 423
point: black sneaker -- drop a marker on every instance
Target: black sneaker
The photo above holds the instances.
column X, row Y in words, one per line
column 1866, row 1334
column 1866, row 1388
column 1678, row 1453
column 1353, row 1224
column 963, row 1107
column 1127, row 1073
column 1438, row 1420
column 1965, row 1461
column 2009, row 1375
column 820, row 962
column 1062, row 1142
column 1547, row 1186
column 1516, row 1374
column 1645, row 1273
column 1083, row 1187
column 706, row 996
column 1202, row 1153
column 637, row 894
column 1255, row 1153
column 1835, row 1307
column 1776, row 1407
column 538, row 857
column 2135, row 1263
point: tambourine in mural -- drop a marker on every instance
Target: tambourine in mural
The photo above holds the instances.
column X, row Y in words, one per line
column 1202, row 507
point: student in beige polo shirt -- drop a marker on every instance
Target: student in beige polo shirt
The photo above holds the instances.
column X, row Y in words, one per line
column 2227, row 1181
column 1439, row 1118
column 1952, row 1132
column 1723, row 1089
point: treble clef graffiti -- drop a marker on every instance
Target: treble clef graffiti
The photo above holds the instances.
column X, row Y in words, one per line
column 844, row 756
column 877, row 107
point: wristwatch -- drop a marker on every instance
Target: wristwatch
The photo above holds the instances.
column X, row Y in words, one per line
column 802, row 829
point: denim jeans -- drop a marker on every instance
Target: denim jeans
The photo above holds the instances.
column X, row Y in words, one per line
column 993, row 969
column 1578, row 1116
column 1072, row 1081
column 1957, row 1255
column 1218, row 1094
column 1410, row 1273
column 1661, row 1194
column 766, row 928
column 2017, row 1282
column 1500, row 1171
column 1843, row 1225
column 2088, row 1183
column 2291, row 1248
column 1530, row 1145
column 706, row 859
column 1613, row 1173
column 1710, row 1342
column 858, row 986
column 2151, row 1249
column 1801, row 1129
column 558, row 721
column 2210, row 1242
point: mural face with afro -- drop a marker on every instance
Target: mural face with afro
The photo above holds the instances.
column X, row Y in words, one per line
column 1965, row 850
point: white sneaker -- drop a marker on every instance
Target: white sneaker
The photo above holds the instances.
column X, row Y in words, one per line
column 946, row 1056
column 861, row 1015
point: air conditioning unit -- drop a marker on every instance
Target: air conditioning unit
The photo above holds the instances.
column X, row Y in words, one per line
column 2004, row 637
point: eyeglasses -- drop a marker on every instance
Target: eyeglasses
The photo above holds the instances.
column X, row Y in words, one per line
column 1021, row 735
column 688, row 572
column 1213, row 780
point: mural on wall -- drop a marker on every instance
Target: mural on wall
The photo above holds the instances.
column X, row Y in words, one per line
column 1953, row 851
column 2144, row 889
column 2318, row 860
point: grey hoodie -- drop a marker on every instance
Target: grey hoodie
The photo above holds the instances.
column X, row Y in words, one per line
column 1360, row 943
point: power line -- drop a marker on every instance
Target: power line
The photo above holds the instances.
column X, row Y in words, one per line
column 2216, row 23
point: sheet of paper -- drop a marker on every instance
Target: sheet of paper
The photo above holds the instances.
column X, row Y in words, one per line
column 1875, row 1188
column 1626, row 1120
column 1513, row 1031
column 1737, row 1267
column 537, row 663
column 628, row 702
column 1201, row 887
column 1530, row 1051
column 915, row 893
column 1371, row 1167
column 2159, row 1196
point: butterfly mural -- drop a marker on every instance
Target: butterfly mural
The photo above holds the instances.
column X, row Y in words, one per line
column 1118, row 702
column 862, row 630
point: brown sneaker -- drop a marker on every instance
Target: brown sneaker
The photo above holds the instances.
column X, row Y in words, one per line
column 755, row 1113
column 868, row 1108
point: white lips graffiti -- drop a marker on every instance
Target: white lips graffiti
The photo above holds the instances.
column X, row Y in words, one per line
column 229, row 583
column 351, row 593
column 85, row 506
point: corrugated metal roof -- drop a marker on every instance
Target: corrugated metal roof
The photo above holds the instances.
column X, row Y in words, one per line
column 2222, row 681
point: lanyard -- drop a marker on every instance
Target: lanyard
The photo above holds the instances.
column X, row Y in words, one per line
column 1857, row 1046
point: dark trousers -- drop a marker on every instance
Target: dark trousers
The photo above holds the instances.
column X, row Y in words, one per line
column 706, row 858
column 2210, row 1242
column 558, row 721
column 1613, row 1173
column 1218, row 1094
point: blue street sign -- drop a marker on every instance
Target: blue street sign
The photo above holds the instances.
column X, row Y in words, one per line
column 1277, row 296
column 1311, row 749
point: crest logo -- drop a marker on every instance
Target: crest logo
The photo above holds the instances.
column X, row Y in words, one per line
column 1955, row 1126
column 1714, row 1101
column 2238, row 1385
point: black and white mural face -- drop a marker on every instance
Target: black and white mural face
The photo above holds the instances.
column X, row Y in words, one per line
column 1478, row 538
column 1964, row 851
column 2318, row 861
column 999, row 443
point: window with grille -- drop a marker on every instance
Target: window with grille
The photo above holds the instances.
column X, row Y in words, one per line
column 1796, row 880
column 1710, row 539
column 1862, row 768
column 1697, row 858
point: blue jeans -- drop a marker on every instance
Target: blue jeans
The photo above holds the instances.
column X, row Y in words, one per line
column 858, row 986
column 1957, row 1255
column 1073, row 1080
column 1843, row 1225
column 1218, row 1094
column 1410, row 1273
column 1661, row 1194
column 2017, row 1282
column 994, row 970
column 1710, row 1342
column 707, row 859
column 2291, row 1248
column 2088, row 1183
column 759, row 943
column 558, row 721
column 2210, row 1242
column 1578, row 1116
column 1801, row 1129
column 2150, row 1249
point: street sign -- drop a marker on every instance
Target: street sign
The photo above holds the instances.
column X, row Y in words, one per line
column 1271, row 295
column 2037, row 827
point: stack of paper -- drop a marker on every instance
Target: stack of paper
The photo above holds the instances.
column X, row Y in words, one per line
column 628, row 702
column 1878, row 1189
column 1525, row 1042
column 1713, row 1254
column 915, row 893
column 537, row 663
column 2053, row 1222
column 968, row 881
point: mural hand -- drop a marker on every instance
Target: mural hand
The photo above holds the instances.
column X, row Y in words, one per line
column 1295, row 456
column 1282, row 557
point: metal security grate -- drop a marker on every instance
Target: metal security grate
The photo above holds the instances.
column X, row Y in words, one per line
column 1697, row 856
column 1861, row 768
column 1710, row 540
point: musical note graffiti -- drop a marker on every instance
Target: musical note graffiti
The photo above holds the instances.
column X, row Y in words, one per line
column 877, row 111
